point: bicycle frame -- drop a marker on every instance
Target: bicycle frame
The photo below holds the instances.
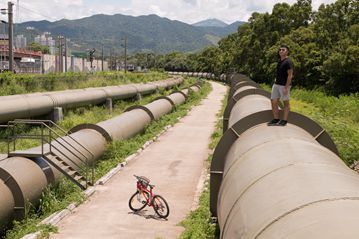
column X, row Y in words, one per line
column 143, row 189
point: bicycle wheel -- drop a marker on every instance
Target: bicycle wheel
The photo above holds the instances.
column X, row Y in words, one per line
column 138, row 201
column 160, row 206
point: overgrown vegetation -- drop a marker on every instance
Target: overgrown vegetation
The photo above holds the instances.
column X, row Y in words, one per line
column 11, row 84
column 58, row 197
column 337, row 115
column 198, row 224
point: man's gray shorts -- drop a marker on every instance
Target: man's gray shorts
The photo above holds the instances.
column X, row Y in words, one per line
column 278, row 92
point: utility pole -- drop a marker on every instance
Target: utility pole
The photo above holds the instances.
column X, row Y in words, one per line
column 17, row 11
column 11, row 36
column 57, row 55
column 125, row 54
column 62, row 48
column 65, row 45
column 60, row 53
column 102, row 59
column 111, row 60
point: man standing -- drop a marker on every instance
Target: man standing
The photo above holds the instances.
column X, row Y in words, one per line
column 281, row 87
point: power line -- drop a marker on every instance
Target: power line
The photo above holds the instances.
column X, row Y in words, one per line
column 17, row 11
column 33, row 11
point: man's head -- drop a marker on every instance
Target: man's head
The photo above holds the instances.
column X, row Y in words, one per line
column 283, row 51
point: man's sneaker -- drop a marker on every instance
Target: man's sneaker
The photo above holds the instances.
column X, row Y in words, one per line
column 282, row 123
column 273, row 122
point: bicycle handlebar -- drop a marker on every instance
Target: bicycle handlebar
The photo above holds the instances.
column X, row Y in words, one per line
column 142, row 178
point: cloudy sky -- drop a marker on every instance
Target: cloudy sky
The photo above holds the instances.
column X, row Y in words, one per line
column 189, row 11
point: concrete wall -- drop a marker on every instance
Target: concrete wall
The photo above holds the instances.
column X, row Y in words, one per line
column 50, row 64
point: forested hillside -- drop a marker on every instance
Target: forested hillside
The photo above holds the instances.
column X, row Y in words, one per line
column 323, row 44
column 149, row 33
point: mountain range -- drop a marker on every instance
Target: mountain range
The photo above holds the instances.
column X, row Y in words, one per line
column 212, row 22
column 149, row 33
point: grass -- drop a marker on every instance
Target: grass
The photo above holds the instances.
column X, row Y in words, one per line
column 54, row 198
column 61, row 195
column 11, row 84
column 339, row 116
column 198, row 224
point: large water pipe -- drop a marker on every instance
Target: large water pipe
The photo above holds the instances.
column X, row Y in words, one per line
column 23, row 179
column 279, row 182
column 37, row 104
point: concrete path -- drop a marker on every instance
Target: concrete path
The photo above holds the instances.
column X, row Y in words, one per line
column 174, row 164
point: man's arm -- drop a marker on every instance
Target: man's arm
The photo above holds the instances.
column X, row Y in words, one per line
column 290, row 76
column 289, row 81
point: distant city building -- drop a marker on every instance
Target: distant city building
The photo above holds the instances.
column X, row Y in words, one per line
column 4, row 48
column 4, row 38
column 24, row 60
column 20, row 41
column 46, row 40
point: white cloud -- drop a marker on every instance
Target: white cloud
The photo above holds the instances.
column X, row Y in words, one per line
column 189, row 11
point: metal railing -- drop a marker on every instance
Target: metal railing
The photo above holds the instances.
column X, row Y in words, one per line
column 54, row 137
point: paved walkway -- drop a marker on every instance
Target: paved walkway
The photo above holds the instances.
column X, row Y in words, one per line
column 174, row 164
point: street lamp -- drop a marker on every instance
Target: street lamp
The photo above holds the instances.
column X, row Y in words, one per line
column 91, row 53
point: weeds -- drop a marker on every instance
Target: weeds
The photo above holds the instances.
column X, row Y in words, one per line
column 11, row 84
column 54, row 198
column 337, row 115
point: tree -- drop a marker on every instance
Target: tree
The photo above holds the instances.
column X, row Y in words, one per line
column 324, row 45
column 34, row 46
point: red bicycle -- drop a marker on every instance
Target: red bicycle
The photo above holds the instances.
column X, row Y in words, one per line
column 144, row 197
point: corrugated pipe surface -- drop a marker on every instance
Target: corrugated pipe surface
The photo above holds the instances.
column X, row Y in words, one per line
column 279, row 182
column 36, row 104
column 24, row 179
column 205, row 75
column 209, row 76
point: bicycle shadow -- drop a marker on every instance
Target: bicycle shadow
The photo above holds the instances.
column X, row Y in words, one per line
column 143, row 214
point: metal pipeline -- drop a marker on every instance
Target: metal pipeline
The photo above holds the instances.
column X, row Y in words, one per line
column 36, row 104
column 279, row 182
column 22, row 179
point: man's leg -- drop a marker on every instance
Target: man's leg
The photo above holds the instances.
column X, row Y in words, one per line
column 275, row 110
column 285, row 98
column 286, row 109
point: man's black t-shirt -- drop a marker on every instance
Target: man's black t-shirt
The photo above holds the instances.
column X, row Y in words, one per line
column 282, row 71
